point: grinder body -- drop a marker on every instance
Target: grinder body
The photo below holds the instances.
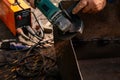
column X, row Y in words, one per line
column 46, row 7
column 53, row 14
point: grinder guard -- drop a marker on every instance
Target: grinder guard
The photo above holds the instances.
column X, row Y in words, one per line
column 77, row 24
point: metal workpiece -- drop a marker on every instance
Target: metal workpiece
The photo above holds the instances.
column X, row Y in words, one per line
column 67, row 61
column 96, row 49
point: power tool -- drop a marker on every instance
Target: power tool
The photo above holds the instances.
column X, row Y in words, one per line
column 16, row 14
column 13, row 16
column 67, row 23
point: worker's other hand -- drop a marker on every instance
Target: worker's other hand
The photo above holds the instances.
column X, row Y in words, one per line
column 89, row 6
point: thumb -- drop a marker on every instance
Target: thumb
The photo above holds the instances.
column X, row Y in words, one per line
column 79, row 6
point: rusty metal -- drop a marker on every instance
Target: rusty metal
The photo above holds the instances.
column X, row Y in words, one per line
column 67, row 62
column 100, row 39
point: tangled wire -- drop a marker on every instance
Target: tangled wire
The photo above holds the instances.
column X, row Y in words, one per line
column 33, row 63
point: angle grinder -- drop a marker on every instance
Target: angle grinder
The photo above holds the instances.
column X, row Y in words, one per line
column 68, row 24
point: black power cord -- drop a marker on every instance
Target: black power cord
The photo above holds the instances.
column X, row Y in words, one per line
column 31, row 63
column 34, row 63
column 42, row 31
column 43, row 65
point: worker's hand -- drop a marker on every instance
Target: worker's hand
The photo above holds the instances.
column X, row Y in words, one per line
column 89, row 6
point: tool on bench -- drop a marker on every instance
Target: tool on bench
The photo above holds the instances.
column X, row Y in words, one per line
column 67, row 23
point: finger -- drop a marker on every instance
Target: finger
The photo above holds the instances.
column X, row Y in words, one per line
column 90, row 11
column 99, row 7
column 79, row 6
column 86, row 9
column 95, row 10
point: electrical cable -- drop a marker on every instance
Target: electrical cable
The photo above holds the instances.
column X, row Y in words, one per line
column 42, row 31
column 24, row 61
column 19, row 31
column 30, row 63
column 13, row 45
column 30, row 30
column 28, row 68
